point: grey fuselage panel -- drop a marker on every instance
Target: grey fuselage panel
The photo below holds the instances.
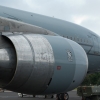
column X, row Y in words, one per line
column 86, row 38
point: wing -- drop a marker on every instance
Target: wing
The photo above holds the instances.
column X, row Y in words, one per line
column 10, row 25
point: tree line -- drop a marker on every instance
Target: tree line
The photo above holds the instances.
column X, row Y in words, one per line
column 92, row 79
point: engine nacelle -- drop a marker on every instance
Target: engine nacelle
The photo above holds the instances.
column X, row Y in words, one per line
column 41, row 64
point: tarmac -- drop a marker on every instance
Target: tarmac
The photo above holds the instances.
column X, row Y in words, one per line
column 7, row 95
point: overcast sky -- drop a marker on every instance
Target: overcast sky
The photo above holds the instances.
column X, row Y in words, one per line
column 83, row 12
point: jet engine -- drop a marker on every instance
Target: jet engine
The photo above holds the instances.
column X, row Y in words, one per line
column 41, row 64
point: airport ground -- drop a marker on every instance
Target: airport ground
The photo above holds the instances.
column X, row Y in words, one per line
column 14, row 96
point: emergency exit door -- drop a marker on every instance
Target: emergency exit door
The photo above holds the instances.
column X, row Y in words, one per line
column 95, row 47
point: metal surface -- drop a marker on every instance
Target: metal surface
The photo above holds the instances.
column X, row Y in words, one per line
column 7, row 65
column 67, row 72
column 35, row 63
column 63, row 28
column 7, row 61
column 10, row 25
column 24, row 64
column 41, row 68
column 81, row 66
column 43, row 65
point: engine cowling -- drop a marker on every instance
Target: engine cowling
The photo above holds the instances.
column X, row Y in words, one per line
column 41, row 64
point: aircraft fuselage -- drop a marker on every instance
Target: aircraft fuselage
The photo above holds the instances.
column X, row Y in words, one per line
column 86, row 38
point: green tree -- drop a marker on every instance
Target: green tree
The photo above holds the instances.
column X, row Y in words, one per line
column 92, row 79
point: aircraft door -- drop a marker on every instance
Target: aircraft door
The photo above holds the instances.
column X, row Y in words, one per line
column 95, row 48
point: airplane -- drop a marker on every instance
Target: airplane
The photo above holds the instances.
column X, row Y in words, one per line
column 44, row 55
